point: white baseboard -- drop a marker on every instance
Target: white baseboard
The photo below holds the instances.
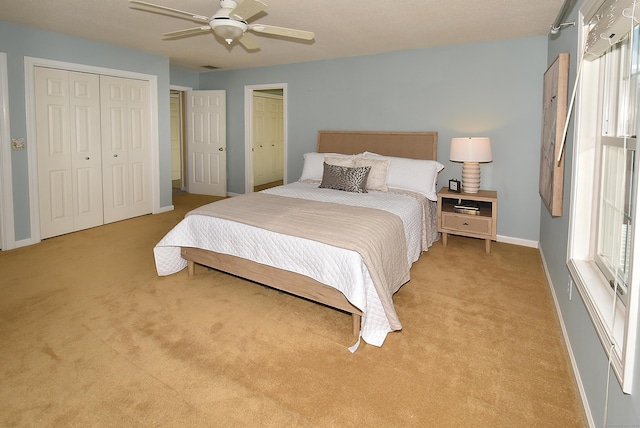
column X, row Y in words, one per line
column 517, row 241
column 166, row 209
column 574, row 365
column 25, row 242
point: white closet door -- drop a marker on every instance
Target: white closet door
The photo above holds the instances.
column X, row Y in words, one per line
column 276, row 139
column 176, row 137
column 268, row 138
column 259, row 145
column 126, row 148
column 86, row 147
column 68, row 147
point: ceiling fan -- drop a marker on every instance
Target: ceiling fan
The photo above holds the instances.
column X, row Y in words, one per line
column 230, row 23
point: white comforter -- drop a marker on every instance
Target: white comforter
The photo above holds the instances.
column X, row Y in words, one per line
column 341, row 269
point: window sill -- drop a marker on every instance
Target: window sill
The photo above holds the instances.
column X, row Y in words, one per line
column 597, row 296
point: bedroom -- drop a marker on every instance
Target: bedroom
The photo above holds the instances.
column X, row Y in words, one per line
column 424, row 89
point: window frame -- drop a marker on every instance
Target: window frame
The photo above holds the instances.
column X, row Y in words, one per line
column 615, row 324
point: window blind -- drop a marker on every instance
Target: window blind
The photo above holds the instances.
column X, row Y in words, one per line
column 610, row 23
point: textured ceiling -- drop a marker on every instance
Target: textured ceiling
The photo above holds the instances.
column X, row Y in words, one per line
column 342, row 27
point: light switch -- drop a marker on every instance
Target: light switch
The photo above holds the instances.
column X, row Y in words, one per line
column 17, row 144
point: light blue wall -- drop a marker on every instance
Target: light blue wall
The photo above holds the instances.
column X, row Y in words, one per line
column 591, row 360
column 185, row 78
column 18, row 42
column 485, row 89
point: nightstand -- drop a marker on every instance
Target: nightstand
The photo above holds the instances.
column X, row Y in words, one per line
column 481, row 225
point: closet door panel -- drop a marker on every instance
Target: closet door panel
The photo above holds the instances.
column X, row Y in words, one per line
column 115, row 174
column 126, row 148
column 55, row 188
column 140, row 147
column 86, row 149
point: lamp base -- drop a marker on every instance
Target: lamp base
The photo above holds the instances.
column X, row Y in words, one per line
column 470, row 177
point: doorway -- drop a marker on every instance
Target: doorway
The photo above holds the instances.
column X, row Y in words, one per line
column 271, row 158
column 178, row 157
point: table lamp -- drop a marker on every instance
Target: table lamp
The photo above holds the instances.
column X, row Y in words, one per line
column 471, row 151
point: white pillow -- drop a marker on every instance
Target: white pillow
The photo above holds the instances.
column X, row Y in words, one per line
column 313, row 167
column 378, row 175
column 418, row 175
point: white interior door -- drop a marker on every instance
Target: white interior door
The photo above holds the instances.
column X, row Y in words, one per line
column 206, row 143
column 68, row 147
column 126, row 148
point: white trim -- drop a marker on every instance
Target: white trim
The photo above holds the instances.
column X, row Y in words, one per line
column 180, row 88
column 248, row 130
column 517, row 241
column 567, row 342
column 24, row 243
column 7, row 226
column 166, row 209
column 29, row 64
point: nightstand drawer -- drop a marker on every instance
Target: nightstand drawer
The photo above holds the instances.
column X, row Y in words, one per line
column 467, row 223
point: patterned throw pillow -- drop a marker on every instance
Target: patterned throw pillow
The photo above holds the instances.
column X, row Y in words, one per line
column 345, row 178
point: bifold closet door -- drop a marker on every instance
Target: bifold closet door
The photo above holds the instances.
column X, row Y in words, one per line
column 260, row 140
column 268, row 138
column 126, row 148
column 69, row 150
column 276, row 133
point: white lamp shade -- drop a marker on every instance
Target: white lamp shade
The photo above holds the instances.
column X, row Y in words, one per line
column 470, row 149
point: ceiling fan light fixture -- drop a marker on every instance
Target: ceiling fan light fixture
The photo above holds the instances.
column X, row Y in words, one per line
column 229, row 29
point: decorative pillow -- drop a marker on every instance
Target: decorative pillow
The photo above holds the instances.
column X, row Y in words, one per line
column 378, row 175
column 417, row 175
column 345, row 178
column 313, row 164
column 340, row 161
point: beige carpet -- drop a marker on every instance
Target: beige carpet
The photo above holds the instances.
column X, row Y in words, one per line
column 91, row 337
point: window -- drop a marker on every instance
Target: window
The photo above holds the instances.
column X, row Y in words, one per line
column 617, row 96
column 604, row 216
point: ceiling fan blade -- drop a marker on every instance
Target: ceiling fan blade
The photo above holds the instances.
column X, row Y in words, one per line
column 247, row 9
column 187, row 31
column 193, row 16
column 281, row 31
column 249, row 42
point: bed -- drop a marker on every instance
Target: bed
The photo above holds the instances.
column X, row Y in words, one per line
column 306, row 276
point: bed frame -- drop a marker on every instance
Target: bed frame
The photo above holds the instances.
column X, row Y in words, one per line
column 415, row 145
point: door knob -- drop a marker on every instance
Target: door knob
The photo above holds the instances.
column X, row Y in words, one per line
column 221, row 149
column 87, row 158
column 115, row 155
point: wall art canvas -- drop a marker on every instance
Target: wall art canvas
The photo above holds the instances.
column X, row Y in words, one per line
column 554, row 114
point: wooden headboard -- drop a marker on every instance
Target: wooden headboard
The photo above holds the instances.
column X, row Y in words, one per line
column 415, row 145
